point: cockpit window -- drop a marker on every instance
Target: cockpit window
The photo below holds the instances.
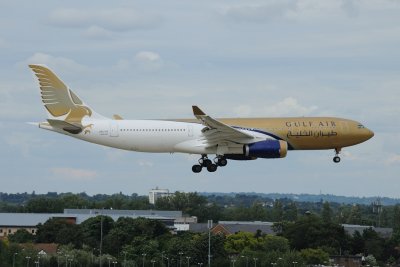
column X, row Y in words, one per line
column 360, row 126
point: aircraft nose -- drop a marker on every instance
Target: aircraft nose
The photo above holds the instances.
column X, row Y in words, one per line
column 369, row 134
column 366, row 134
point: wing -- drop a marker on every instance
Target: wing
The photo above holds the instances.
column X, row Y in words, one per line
column 56, row 96
column 218, row 132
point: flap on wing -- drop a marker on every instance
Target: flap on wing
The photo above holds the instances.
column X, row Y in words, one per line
column 63, row 125
column 219, row 126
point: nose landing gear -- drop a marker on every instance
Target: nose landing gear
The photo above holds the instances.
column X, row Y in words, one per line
column 336, row 158
column 207, row 163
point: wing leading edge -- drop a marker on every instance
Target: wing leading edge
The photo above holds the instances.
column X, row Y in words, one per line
column 217, row 132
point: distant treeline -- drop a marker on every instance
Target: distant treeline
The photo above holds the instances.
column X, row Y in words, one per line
column 385, row 201
column 238, row 207
column 21, row 198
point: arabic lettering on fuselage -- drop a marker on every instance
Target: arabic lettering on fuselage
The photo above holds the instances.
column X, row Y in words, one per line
column 311, row 133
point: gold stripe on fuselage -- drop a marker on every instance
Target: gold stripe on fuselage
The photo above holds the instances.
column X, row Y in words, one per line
column 305, row 133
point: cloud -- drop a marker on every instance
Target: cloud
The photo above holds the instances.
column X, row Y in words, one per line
column 72, row 174
column 393, row 159
column 24, row 142
column 243, row 110
column 350, row 7
column 291, row 10
column 115, row 155
column 259, row 12
column 2, row 43
column 143, row 60
column 145, row 163
column 96, row 32
column 117, row 19
column 351, row 156
column 289, row 107
column 60, row 63
column 147, row 60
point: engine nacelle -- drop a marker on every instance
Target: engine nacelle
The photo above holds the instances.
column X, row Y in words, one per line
column 266, row 149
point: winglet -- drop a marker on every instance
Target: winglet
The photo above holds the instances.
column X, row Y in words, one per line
column 197, row 111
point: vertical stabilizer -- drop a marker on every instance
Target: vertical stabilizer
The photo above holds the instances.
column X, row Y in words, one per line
column 61, row 103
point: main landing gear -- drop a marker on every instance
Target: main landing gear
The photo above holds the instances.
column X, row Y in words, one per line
column 207, row 163
column 336, row 158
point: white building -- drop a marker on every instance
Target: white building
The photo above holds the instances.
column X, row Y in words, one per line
column 11, row 222
column 157, row 193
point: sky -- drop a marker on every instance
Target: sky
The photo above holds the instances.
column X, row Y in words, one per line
column 155, row 59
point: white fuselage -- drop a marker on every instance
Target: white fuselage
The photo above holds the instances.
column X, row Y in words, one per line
column 155, row 136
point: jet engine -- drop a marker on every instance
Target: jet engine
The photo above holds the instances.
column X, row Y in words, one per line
column 266, row 149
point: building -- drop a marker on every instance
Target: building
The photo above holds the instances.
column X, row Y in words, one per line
column 232, row 227
column 184, row 223
column 157, row 193
column 382, row 231
column 12, row 222
column 346, row 260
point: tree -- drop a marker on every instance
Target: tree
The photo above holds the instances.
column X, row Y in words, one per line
column 199, row 247
column 120, row 235
column 21, row 236
column 374, row 244
column 179, row 244
column 326, row 213
column 91, row 230
column 291, row 212
column 370, row 260
column 72, row 201
column 275, row 243
column 190, row 203
column 314, row 256
column 310, row 232
column 355, row 216
column 396, row 218
column 142, row 245
column 237, row 243
column 277, row 211
column 59, row 230
column 257, row 212
column 44, row 205
column 149, row 228
column 357, row 243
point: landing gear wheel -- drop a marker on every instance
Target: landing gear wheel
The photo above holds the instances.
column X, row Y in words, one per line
column 222, row 162
column 212, row 167
column 196, row 168
column 207, row 162
column 336, row 158
column 204, row 161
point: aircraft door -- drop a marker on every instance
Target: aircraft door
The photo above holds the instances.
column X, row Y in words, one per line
column 345, row 127
column 190, row 130
column 113, row 129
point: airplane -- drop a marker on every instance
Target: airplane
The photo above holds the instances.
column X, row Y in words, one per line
column 227, row 139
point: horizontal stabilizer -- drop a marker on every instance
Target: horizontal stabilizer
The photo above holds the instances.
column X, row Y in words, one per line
column 117, row 117
column 63, row 125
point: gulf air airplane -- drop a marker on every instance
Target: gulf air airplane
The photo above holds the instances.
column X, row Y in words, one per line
column 233, row 139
